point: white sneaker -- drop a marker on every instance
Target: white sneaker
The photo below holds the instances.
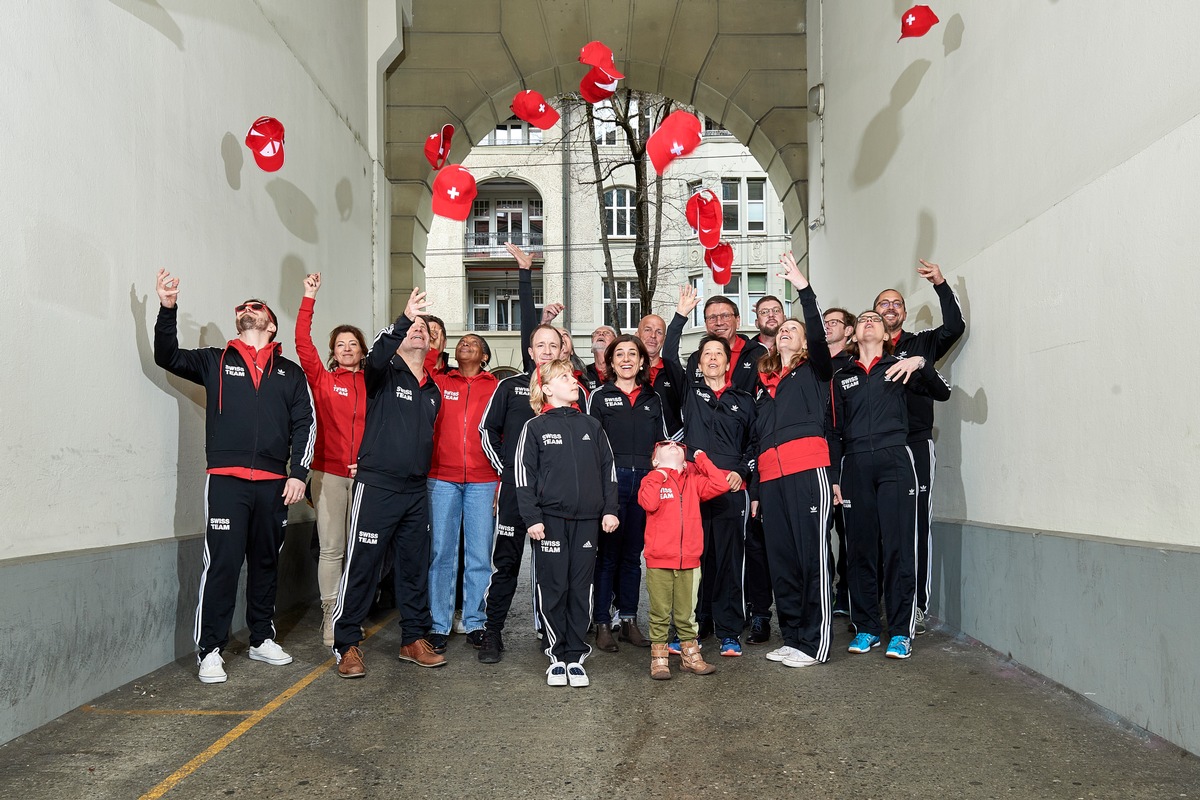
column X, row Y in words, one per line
column 577, row 675
column 799, row 659
column 271, row 653
column 556, row 675
column 212, row 668
column 782, row 653
column 458, row 626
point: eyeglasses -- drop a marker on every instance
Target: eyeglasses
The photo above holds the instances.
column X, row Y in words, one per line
column 249, row 306
column 890, row 304
column 721, row 317
column 871, row 318
column 830, row 322
column 762, row 312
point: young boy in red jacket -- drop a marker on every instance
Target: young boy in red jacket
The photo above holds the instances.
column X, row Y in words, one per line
column 671, row 495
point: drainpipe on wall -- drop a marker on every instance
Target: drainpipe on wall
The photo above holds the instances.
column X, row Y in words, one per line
column 566, row 216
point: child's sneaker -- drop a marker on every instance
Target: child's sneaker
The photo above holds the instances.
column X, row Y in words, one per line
column 674, row 646
column 556, row 675
column 577, row 675
column 899, row 647
column 731, row 647
column 863, row 643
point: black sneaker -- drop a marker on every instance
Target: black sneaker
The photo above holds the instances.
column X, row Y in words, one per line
column 475, row 639
column 438, row 640
column 760, row 630
column 705, row 627
column 491, row 647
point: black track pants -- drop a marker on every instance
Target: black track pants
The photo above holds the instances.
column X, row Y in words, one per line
column 723, row 563
column 565, row 561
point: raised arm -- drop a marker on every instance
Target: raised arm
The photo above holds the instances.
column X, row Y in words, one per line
column 389, row 339
column 306, row 349
column 191, row 365
column 953, row 324
column 688, row 300
column 814, row 326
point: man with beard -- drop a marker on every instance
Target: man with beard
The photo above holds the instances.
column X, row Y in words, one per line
column 768, row 316
column 594, row 375
column 260, row 432
column 932, row 344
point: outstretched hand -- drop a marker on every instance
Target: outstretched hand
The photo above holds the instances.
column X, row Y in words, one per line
column 550, row 311
column 312, row 284
column 524, row 260
column 689, row 298
column 931, row 272
column 416, row 304
column 167, row 288
column 791, row 271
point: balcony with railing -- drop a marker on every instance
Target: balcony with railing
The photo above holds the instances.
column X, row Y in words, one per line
column 480, row 245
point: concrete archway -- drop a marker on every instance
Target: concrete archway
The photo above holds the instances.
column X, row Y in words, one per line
column 740, row 63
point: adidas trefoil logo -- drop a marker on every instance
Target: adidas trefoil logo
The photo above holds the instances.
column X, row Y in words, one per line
column 812, row 509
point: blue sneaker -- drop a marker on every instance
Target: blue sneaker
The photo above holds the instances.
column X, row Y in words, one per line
column 863, row 643
column 899, row 647
column 675, row 648
column 731, row 647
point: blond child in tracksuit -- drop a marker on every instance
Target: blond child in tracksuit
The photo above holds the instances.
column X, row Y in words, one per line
column 671, row 495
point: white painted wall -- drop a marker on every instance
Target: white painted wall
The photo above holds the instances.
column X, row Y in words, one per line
column 1046, row 158
column 122, row 133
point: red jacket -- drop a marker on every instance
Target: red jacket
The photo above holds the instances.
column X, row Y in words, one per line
column 674, row 534
column 458, row 455
column 340, row 397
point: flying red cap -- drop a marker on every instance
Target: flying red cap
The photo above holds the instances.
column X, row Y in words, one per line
column 437, row 146
column 453, row 192
column 678, row 135
column 917, row 21
column 597, row 86
column 533, row 108
column 597, row 54
column 265, row 140
column 719, row 259
column 704, row 215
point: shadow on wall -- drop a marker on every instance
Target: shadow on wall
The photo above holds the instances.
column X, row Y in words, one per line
column 926, row 237
column 154, row 15
column 343, row 195
column 952, row 38
column 295, row 210
column 291, row 286
column 189, row 484
column 882, row 136
column 231, row 154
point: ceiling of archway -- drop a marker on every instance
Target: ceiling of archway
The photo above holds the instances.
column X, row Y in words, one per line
column 741, row 62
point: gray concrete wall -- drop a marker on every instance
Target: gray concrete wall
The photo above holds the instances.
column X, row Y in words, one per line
column 79, row 624
column 1113, row 621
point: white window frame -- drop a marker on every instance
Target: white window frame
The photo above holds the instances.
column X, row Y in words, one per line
column 499, row 298
column 517, row 132
column 629, row 306
column 532, row 225
column 611, row 210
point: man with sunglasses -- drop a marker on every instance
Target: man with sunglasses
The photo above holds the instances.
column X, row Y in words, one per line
column 260, row 433
column 932, row 344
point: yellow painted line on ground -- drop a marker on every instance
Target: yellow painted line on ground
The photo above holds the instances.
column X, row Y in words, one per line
column 189, row 712
column 256, row 717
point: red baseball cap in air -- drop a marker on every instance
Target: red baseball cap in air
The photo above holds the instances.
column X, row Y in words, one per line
column 719, row 259
column 597, row 86
column 437, row 146
column 917, row 21
column 704, row 215
column 597, row 54
column 678, row 135
column 533, row 108
column 453, row 192
column 265, row 140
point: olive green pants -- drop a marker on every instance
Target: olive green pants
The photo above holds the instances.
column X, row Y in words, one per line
column 673, row 592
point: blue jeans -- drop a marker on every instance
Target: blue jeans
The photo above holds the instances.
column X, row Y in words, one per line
column 619, row 559
column 454, row 507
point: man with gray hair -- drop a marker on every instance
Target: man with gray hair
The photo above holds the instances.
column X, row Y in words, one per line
column 594, row 375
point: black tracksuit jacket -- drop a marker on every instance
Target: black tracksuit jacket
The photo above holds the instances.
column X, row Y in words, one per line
column 256, row 428
column 870, row 412
column 503, row 419
column 564, row 468
column 397, row 444
column 932, row 344
column 632, row 428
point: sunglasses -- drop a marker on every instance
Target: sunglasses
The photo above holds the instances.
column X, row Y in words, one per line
column 666, row 442
column 249, row 307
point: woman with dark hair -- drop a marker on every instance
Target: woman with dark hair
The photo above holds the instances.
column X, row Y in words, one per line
column 875, row 481
column 718, row 418
column 340, row 396
column 631, row 414
column 462, row 484
column 791, row 486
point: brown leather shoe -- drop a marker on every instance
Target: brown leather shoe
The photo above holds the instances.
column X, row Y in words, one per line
column 660, row 662
column 692, row 661
column 630, row 633
column 421, row 653
column 604, row 638
column 351, row 665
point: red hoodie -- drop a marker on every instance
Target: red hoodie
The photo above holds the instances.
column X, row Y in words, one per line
column 674, row 533
column 340, row 397
column 457, row 447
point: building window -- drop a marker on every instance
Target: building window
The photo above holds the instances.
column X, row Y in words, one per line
column 606, row 122
column 497, row 220
column 513, row 131
column 629, row 303
column 714, row 128
column 745, row 288
column 495, row 305
column 619, row 216
column 756, row 289
column 756, row 205
column 730, row 205
column 697, row 282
